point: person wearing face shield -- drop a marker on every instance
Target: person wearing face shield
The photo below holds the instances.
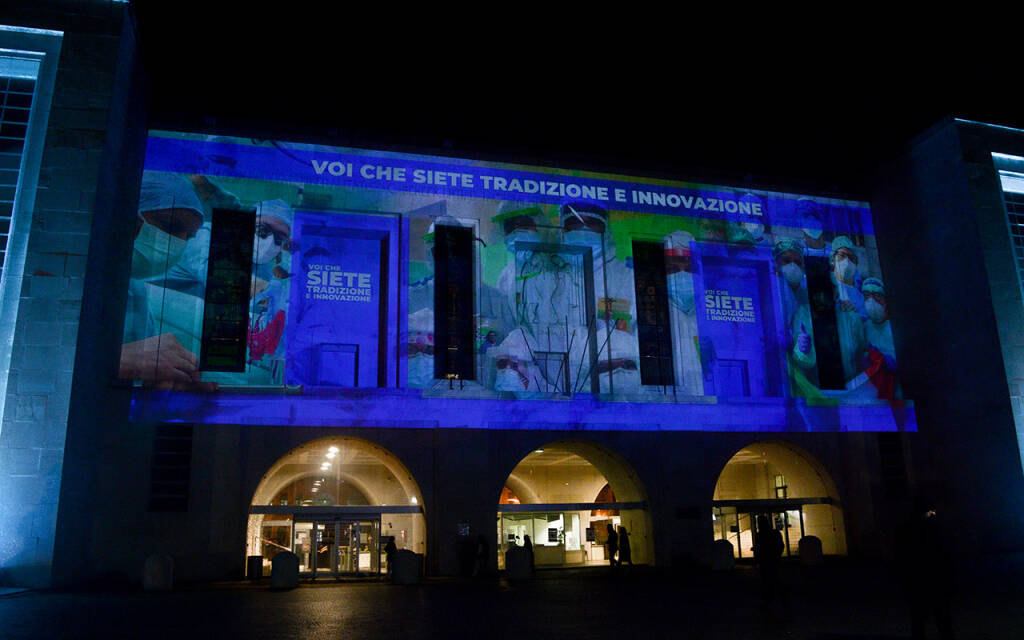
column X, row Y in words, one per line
column 800, row 352
column 270, row 280
column 813, row 235
column 679, row 264
column 880, row 358
column 850, row 314
column 584, row 224
column 169, row 215
column 519, row 224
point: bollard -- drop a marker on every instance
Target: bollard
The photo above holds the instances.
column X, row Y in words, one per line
column 722, row 558
column 158, row 573
column 810, row 551
column 284, row 571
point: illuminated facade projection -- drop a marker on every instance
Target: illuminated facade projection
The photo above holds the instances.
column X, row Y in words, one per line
column 384, row 291
column 497, row 296
column 217, row 349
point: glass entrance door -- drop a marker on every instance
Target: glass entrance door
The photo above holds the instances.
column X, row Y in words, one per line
column 326, row 547
column 335, row 548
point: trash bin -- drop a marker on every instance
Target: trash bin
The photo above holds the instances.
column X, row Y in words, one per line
column 518, row 564
column 408, row 567
column 254, row 567
column 284, row 571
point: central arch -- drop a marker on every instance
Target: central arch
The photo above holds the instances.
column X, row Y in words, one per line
column 782, row 481
column 563, row 495
column 335, row 502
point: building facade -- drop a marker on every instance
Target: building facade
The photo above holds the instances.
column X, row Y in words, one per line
column 222, row 347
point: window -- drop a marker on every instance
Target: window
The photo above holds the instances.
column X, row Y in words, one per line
column 653, row 331
column 453, row 303
column 226, row 309
column 16, row 88
column 1015, row 217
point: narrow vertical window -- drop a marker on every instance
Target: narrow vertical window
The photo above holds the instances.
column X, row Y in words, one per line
column 453, row 303
column 653, row 331
column 821, row 295
column 228, row 281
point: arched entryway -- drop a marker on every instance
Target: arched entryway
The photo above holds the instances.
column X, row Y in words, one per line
column 563, row 495
column 335, row 502
column 785, row 483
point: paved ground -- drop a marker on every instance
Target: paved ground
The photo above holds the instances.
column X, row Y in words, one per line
column 831, row 602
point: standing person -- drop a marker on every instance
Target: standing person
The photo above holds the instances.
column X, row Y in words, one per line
column 923, row 558
column 768, row 547
column 850, row 314
column 880, row 359
column 479, row 567
column 679, row 265
column 528, row 545
column 625, row 553
column 800, row 353
column 613, row 545
column 389, row 552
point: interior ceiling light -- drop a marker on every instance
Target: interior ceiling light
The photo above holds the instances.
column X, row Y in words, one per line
column 413, row 500
column 331, row 454
column 333, row 449
column 538, row 451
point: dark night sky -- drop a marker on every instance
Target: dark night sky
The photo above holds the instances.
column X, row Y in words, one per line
column 643, row 105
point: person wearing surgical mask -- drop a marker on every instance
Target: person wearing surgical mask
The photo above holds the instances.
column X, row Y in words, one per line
column 880, row 356
column 679, row 267
column 519, row 226
column 813, row 234
column 270, row 286
column 755, row 233
column 586, row 225
column 169, row 215
column 800, row 352
column 850, row 313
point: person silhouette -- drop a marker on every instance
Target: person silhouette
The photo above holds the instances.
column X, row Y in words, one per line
column 926, row 570
column 625, row 553
column 613, row 546
column 528, row 545
column 768, row 547
column 480, row 566
column 390, row 549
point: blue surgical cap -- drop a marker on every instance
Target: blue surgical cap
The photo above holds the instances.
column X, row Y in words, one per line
column 167, row 191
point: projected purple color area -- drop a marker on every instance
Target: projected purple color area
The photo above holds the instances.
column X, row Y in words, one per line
column 390, row 409
column 352, row 300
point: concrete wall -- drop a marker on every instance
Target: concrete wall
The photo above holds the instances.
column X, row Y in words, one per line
column 953, row 319
column 44, row 354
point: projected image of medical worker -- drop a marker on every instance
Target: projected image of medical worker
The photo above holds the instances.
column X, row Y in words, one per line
column 796, row 310
column 169, row 215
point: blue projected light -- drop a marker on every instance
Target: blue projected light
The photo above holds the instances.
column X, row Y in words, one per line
column 776, row 306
